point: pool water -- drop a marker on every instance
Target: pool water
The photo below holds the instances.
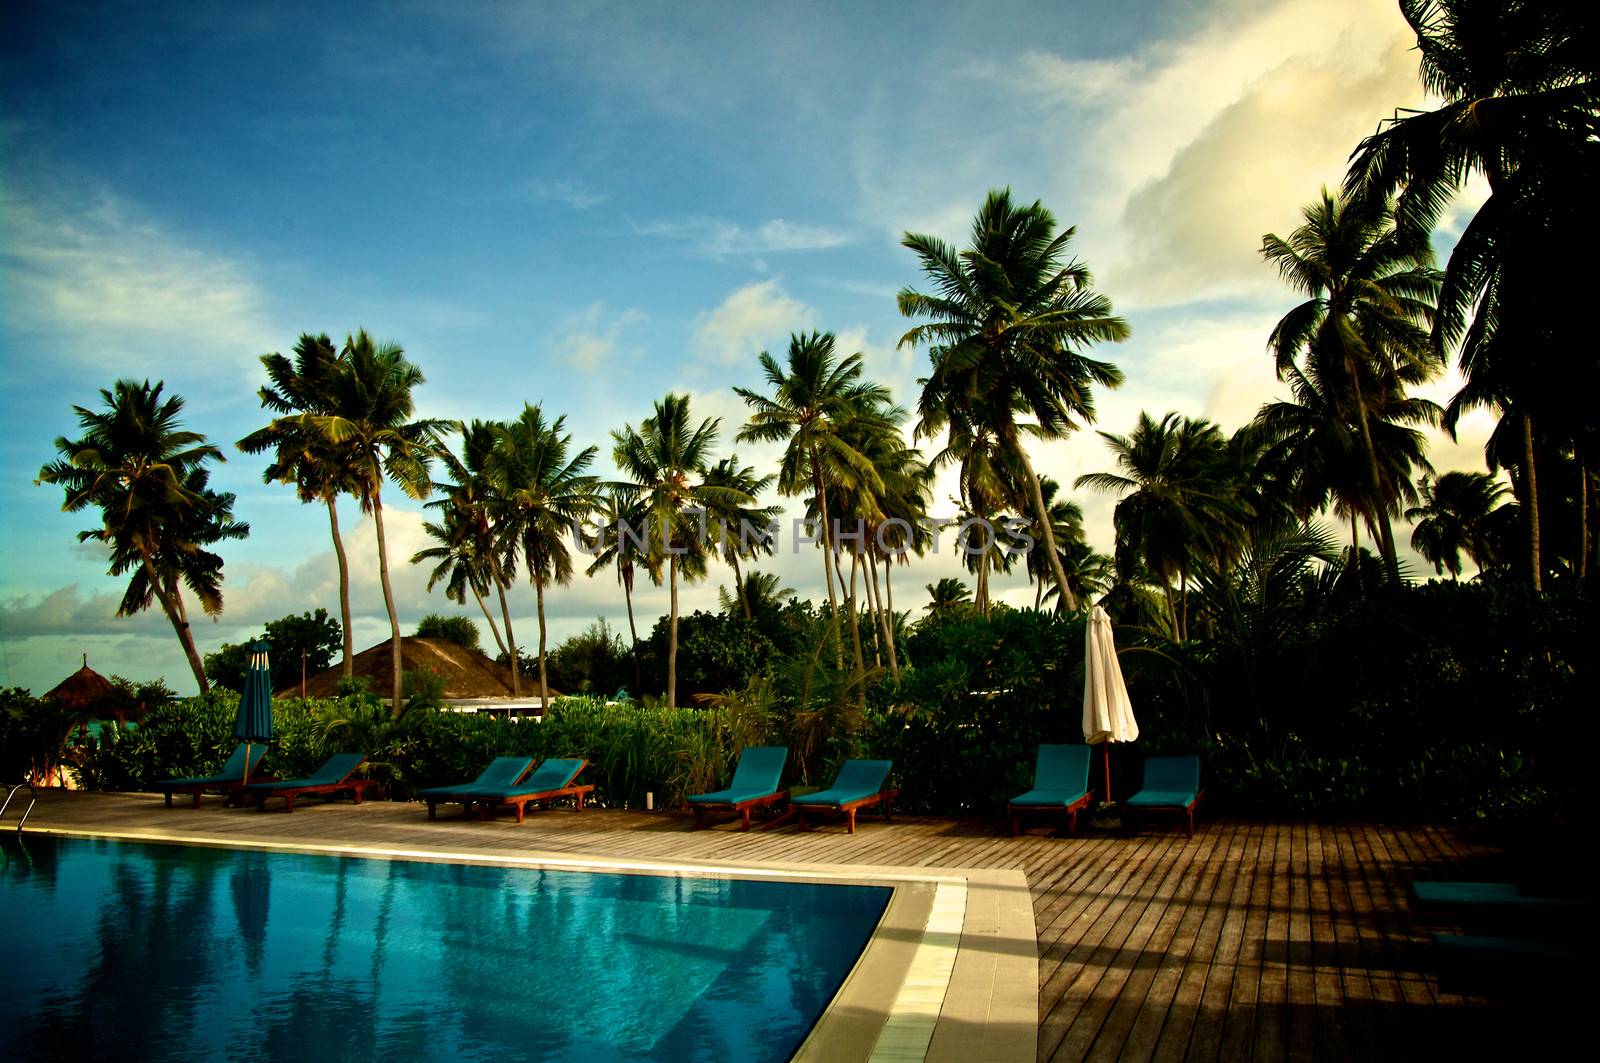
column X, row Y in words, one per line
column 124, row 950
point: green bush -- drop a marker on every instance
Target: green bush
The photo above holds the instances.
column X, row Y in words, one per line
column 457, row 629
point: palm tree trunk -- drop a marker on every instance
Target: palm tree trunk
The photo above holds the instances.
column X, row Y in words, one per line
column 888, row 590
column 1038, row 594
column 1183, row 604
column 544, row 681
column 180, row 623
column 1069, row 599
column 827, row 556
column 1380, row 511
column 885, row 618
column 1531, row 480
column 494, row 629
column 672, row 635
column 872, row 611
column 738, row 584
column 1172, row 609
column 855, row 619
column 983, row 587
column 396, row 690
column 627, row 596
column 1583, row 517
column 511, row 640
column 348, row 667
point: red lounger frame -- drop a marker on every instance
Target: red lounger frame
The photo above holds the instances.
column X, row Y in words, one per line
column 740, row 808
column 1070, row 812
column 356, row 787
column 521, row 801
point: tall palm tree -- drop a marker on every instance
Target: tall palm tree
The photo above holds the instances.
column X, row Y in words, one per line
column 946, row 595
column 1454, row 517
column 1519, row 86
column 812, row 401
column 146, row 475
column 547, row 494
column 763, row 595
column 302, row 456
column 1370, row 289
column 369, row 417
column 458, row 563
column 1179, row 503
column 486, row 521
column 624, row 544
column 1005, row 330
column 666, row 459
column 1066, row 524
column 738, row 530
column 1316, row 455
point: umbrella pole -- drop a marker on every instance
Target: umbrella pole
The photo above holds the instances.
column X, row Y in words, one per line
column 1107, row 748
column 247, row 762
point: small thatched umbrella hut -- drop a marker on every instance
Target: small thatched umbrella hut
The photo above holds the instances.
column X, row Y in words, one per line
column 82, row 691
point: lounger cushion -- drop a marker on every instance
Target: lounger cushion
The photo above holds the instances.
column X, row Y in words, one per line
column 1162, row 798
column 1062, row 769
column 501, row 772
column 1172, row 774
column 759, row 771
column 857, row 781
column 232, row 771
column 551, row 775
column 336, row 769
column 1049, row 798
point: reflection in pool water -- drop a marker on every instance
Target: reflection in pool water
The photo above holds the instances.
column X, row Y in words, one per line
column 138, row 951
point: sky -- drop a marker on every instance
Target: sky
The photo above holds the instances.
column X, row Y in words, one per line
column 588, row 205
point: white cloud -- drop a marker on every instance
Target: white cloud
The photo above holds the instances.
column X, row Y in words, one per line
column 755, row 317
column 574, row 194
column 588, row 341
column 106, row 286
column 718, row 239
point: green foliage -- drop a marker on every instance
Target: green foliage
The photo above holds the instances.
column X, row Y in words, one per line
column 34, row 735
column 317, row 634
column 594, row 661
column 457, row 629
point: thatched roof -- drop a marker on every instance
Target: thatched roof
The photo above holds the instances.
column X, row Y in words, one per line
column 467, row 673
column 81, row 689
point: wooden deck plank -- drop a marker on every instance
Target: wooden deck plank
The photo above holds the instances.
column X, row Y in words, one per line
column 1265, row 940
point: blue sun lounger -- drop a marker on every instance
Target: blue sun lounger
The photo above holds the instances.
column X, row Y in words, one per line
column 755, row 784
column 501, row 772
column 335, row 776
column 859, row 784
column 1171, row 784
column 1060, row 787
column 230, row 779
column 554, row 778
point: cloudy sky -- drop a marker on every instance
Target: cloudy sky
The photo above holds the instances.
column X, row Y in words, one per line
column 588, row 205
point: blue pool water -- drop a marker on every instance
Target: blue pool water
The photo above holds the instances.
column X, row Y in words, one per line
column 116, row 950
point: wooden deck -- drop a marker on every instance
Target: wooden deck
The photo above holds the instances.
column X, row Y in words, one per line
column 1254, row 940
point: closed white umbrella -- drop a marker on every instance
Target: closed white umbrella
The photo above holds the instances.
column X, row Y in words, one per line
column 1107, row 712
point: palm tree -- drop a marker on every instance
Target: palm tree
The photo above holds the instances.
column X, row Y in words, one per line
column 303, row 456
column 1179, row 502
column 547, row 494
column 1454, row 516
column 1316, row 456
column 737, row 529
column 459, row 564
column 666, row 459
column 811, row 403
column 1369, row 290
column 624, row 544
column 946, row 595
column 1519, row 85
column 1004, row 333
column 1066, row 524
column 146, row 475
column 486, row 523
column 761, row 595
column 368, row 417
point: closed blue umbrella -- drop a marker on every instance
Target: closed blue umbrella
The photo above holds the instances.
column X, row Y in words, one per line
column 254, row 723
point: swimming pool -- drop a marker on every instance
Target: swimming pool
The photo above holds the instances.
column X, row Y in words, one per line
column 150, row 951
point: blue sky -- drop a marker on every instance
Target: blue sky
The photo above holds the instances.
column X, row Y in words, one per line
column 588, row 205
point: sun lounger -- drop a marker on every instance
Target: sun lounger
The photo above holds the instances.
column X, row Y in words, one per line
column 501, row 773
column 335, row 776
column 1171, row 784
column 755, row 785
column 552, row 779
column 859, row 784
column 1509, row 967
column 229, row 780
column 1060, row 787
column 1498, row 908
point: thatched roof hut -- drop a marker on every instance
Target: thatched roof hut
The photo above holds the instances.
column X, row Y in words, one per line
column 83, row 689
column 467, row 674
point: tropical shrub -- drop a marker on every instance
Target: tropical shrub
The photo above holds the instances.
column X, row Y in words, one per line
column 457, row 629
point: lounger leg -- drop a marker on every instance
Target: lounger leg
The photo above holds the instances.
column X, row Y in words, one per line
column 1191, row 821
column 800, row 816
column 522, row 809
column 580, row 802
column 359, row 792
column 1016, row 826
column 432, row 811
column 288, row 803
column 850, row 816
column 744, row 823
column 699, row 818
